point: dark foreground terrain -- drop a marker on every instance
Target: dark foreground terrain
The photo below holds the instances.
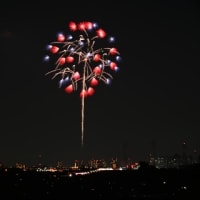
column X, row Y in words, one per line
column 158, row 184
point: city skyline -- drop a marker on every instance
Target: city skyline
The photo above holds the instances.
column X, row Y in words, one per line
column 152, row 103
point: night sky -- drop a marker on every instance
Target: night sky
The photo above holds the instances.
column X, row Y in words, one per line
column 151, row 106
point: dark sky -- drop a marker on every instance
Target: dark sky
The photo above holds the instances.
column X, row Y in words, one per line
column 152, row 105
